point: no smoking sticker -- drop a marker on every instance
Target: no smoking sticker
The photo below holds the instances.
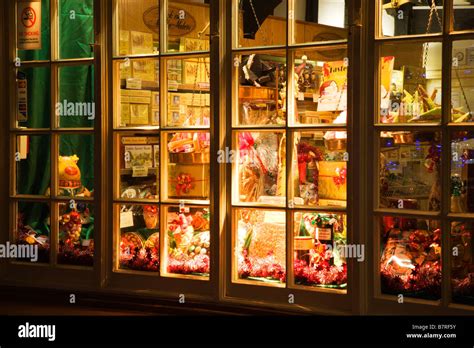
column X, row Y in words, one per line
column 29, row 25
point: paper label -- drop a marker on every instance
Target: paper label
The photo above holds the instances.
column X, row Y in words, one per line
column 22, row 99
column 139, row 171
column 323, row 233
column 300, row 96
column 133, row 83
column 29, row 25
column 126, row 219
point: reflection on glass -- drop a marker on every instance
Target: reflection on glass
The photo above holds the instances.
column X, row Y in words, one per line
column 462, row 172
column 463, row 15
column 261, row 89
column 188, row 86
column 33, row 229
column 261, row 23
column 34, row 97
column 462, row 88
column 410, row 17
column 410, row 164
column 76, row 165
column 261, row 166
column 188, row 26
column 137, row 91
column 36, row 19
column 410, row 263
column 320, row 90
column 188, row 241
column 260, row 245
column 76, row 234
column 139, row 166
column 462, row 262
column 76, row 28
column 76, row 105
column 320, row 20
column 188, row 168
column 320, row 168
column 33, row 163
column 410, row 82
column 320, row 250
column 138, row 27
column 139, row 240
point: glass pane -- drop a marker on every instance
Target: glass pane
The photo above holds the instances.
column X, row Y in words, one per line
column 410, row 82
column 33, row 30
column 188, row 241
column 76, row 28
column 76, row 234
column 462, row 172
column 261, row 89
column 462, row 262
column 33, row 229
column 33, row 164
column 408, row 17
column 320, row 20
column 410, row 262
column 136, row 89
column 410, row 164
column 188, row 86
column 138, row 27
column 187, row 170
column 261, row 23
column 139, row 166
column 139, row 243
column 320, row 90
column 319, row 168
column 76, row 165
column 260, row 167
column 462, row 81
column 463, row 15
column 320, row 250
column 260, row 246
column 34, row 98
column 76, row 104
column 188, row 26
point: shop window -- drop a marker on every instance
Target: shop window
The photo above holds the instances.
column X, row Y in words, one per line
column 462, row 88
column 162, row 157
column 53, row 130
column 462, row 263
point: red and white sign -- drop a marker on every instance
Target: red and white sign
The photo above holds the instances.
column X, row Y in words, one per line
column 29, row 25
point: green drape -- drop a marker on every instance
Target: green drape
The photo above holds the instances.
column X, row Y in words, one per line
column 76, row 85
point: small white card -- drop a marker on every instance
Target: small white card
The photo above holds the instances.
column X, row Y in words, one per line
column 126, row 219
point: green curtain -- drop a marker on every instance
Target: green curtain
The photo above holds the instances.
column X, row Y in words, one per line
column 76, row 85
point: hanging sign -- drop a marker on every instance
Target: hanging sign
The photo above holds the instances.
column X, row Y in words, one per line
column 29, row 25
column 180, row 21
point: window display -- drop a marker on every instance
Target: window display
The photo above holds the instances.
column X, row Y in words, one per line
column 260, row 246
column 188, row 102
column 76, row 234
column 139, row 239
column 187, row 241
column 462, row 174
column 462, row 263
column 34, row 227
column 410, row 262
column 261, row 89
column 462, row 87
column 320, row 86
column 320, row 168
column 138, row 99
column 410, row 83
column 410, row 17
column 319, row 254
column 410, row 164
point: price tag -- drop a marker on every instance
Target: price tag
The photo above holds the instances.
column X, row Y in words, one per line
column 133, row 83
column 323, row 233
column 300, row 96
column 126, row 219
column 139, row 171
